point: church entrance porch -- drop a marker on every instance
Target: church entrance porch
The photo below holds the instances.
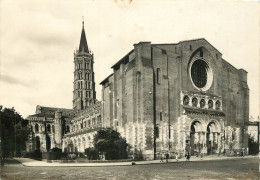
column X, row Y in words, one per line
column 196, row 138
column 204, row 137
column 212, row 138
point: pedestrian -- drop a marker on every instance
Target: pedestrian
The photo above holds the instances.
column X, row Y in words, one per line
column 242, row 153
column 133, row 163
column 167, row 157
column 187, row 156
column 161, row 158
column 201, row 156
column 177, row 157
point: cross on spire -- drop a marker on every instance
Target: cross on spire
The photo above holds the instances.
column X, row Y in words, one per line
column 83, row 22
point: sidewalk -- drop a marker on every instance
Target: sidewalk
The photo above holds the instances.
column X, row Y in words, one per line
column 34, row 163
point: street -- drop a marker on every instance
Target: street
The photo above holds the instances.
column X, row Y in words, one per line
column 246, row 168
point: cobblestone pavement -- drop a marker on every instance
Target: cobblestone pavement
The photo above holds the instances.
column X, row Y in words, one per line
column 237, row 168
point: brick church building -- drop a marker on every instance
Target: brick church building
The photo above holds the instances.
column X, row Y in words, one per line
column 161, row 97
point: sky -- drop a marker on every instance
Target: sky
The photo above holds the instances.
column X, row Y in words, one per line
column 38, row 39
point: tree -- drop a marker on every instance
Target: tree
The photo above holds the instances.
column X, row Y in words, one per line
column 110, row 142
column 14, row 133
column 253, row 146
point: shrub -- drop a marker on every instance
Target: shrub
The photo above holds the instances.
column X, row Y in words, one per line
column 56, row 154
column 34, row 155
column 91, row 153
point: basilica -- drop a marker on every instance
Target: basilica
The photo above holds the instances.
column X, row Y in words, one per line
column 172, row 98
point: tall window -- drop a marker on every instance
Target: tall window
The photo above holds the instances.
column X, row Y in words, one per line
column 36, row 128
column 158, row 76
column 99, row 119
column 156, row 132
column 68, row 129
column 48, row 127
column 80, row 75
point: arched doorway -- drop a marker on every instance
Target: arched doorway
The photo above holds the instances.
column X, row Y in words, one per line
column 38, row 143
column 212, row 138
column 195, row 137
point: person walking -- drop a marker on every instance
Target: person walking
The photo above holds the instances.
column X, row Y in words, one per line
column 187, row 156
column 201, row 156
column 161, row 158
column 177, row 157
column 242, row 152
column 167, row 157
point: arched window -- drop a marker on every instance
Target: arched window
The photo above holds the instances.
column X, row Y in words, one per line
column 38, row 143
column 210, row 104
column 68, row 129
column 194, row 102
column 218, row 105
column 158, row 76
column 48, row 127
column 80, row 75
column 53, row 129
column 157, row 132
column 202, row 103
column 186, row 100
column 99, row 119
column 36, row 128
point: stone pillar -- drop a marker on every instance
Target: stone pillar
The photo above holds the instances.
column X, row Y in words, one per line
column 58, row 129
column 204, row 145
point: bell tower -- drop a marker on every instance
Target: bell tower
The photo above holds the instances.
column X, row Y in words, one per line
column 84, row 93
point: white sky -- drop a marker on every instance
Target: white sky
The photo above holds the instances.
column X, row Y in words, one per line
column 38, row 40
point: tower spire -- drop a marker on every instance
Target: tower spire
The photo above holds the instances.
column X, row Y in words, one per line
column 83, row 45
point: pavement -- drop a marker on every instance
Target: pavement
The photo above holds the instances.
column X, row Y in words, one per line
column 34, row 163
